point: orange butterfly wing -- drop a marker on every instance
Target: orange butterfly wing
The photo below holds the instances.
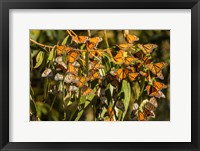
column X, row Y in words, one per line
column 129, row 60
column 159, row 85
column 122, row 73
column 81, row 80
column 73, row 56
column 156, row 68
column 71, row 69
column 80, row 39
column 132, row 76
column 124, row 46
column 147, row 48
column 141, row 116
column 119, row 57
column 131, row 38
column 61, row 49
column 95, row 65
column 95, row 53
column 94, row 74
column 86, row 90
column 93, row 42
column 152, row 91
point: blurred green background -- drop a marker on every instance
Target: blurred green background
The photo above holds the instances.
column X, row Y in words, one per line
column 53, row 37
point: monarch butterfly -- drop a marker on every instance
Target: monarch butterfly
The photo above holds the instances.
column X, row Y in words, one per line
column 61, row 66
column 95, row 65
column 129, row 60
column 131, row 38
column 146, row 60
column 86, row 90
column 159, row 85
column 47, row 73
column 124, row 46
column 94, row 74
column 152, row 104
column 156, row 68
column 71, row 69
column 76, row 64
column 134, row 110
column 81, row 81
column 155, row 89
column 132, row 76
column 148, row 113
column 110, row 111
column 73, row 88
column 77, row 39
column 112, row 79
column 153, row 92
column 95, row 53
column 61, row 49
column 119, row 57
column 131, row 68
column 122, row 73
column 58, row 77
column 120, row 105
column 139, row 55
column 141, row 116
column 70, row 78
column 146, row 75
column 147, row 48
column 73, row 56
column 160, row 75
column 80, row 39
column 92, row 43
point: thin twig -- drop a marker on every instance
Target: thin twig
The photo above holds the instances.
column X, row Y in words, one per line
column 89, row 33
column 42, row 45
column 106, row 38
column 39, row 44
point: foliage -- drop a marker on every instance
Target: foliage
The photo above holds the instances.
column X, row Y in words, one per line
column 106, row 75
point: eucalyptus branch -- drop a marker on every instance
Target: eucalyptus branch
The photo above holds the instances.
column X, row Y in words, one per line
column 41, row 45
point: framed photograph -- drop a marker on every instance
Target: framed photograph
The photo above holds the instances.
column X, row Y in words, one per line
column 99, row 75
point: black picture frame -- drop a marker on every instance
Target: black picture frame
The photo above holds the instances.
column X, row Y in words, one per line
column 5, row 5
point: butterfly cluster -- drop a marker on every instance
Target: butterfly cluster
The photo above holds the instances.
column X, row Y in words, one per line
column 83, row 71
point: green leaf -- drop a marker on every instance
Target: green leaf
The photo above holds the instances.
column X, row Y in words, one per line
column 127, row 95
column 90, row 96
column 39, row 59
column 32, row 107
column 136, row 89
column 82, row 99
column 51, row 55
column 65, row 40
column 86, row 103
column 80, row 113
